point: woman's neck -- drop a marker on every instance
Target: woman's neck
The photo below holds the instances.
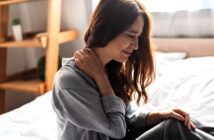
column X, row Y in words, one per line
column 102, row 56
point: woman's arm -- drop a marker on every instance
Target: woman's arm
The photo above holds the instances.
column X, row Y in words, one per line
column 88, row 62
column 85, row 106
column 138, row 119
column 135, row 118
column 77, row 100
column 157, row 116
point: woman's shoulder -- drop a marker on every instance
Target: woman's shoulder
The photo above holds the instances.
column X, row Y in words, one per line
column 68, row 69
column 70, row 75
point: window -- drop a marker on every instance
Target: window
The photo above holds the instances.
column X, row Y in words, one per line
column 94, row 4
column 173, row 5
column 177, row 5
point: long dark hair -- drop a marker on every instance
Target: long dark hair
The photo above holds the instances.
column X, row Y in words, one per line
column 111, row 18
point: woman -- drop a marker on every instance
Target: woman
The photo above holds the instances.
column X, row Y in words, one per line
column 92, row 91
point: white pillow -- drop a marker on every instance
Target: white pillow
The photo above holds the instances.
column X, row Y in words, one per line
column 163, row 59
column 189, row 67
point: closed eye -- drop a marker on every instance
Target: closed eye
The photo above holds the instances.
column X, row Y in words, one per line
column 132, row 36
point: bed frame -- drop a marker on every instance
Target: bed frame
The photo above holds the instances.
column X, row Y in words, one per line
column 194, row 47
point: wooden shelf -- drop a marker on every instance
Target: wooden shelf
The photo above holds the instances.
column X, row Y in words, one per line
column 25, row 81
column 38, row 40
column 21, row 44
column 50, row 41
column 7, row 2
column 64, row 36
column 28, row 86
column 29, row 40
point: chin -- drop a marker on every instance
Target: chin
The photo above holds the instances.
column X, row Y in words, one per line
column 122, row 60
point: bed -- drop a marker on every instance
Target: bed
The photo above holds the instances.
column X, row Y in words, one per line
column 185, row 79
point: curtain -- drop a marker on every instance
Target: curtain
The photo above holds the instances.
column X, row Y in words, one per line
column 180, row 18
column 184, row 23
column 177, row 5
column 89, row 8
column 172, row 5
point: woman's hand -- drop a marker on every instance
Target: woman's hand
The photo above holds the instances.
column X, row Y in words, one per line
column 157, row 116
column 180, row 115
column 88, row 62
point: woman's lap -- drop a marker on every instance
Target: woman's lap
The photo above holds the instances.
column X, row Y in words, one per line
column 170, row 129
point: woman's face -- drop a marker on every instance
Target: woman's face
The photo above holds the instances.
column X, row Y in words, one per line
column 121, row 47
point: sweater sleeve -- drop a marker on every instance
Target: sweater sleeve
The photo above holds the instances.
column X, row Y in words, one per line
column 136, row 118
column 77, row 102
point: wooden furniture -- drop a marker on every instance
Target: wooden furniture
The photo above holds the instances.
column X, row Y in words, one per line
column 49, row 41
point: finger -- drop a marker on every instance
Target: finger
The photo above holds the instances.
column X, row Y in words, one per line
column 77, row 62
column 186, row 116
column 192, row 125
column 179, row 111
column 88, row 50
column 82, row 52
column 91, row 52
column 189, row 124
column 75, row 55
column 88, row 54
column 186, row 119
column 177, row 116
column 78, row 54
column 83, row 56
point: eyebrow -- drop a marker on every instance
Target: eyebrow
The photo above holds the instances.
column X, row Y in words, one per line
column 132, row 31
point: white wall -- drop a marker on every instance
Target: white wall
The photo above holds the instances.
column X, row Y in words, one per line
column 74, row 16
column 33, row 17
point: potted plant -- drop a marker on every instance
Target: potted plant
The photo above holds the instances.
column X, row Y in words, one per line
column 17, row 30
column 41, row 67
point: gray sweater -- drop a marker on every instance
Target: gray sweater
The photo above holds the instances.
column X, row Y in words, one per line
column 83, row 114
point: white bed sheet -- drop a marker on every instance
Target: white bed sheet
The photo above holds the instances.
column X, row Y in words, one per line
column 33, row 121
column 187, row 84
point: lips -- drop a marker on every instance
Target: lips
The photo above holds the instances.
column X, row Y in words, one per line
column 127, row 52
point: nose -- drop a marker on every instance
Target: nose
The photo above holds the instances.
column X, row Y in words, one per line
column 134, row 43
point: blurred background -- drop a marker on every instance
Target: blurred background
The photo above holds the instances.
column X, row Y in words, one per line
column 171, row 18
